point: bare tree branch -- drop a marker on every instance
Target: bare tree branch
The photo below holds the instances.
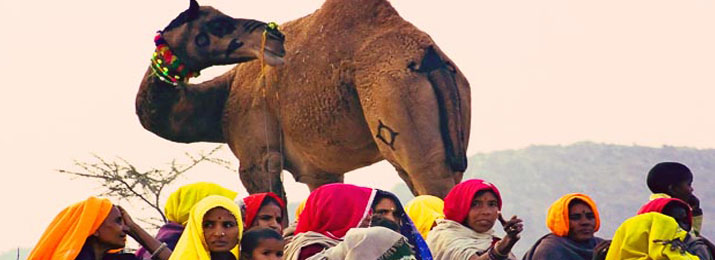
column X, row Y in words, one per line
column 122, row 180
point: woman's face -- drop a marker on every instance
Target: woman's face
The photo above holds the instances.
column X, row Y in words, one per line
column 268, row 249
column 483, row 212
column 220, row 230
column 112, row 232
column 269, row 216
column 582, row 222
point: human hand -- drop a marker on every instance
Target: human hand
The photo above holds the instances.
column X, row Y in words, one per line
column 128, row 221
column 694, row 203
column 513, row 227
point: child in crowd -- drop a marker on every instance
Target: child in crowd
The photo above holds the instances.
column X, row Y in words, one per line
column 674, row 180
column 262, row 243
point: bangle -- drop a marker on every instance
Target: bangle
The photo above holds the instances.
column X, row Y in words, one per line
column 158, row 250
column 495, row 254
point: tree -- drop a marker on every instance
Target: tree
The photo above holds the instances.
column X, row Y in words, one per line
column 120, row 179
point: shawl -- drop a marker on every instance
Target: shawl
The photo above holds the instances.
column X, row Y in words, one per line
column 292, row 249
column 552, row 246
column 253, row 205
column 68, row 231
column 637, row 238
column 424, row 210
column 179, row 204
column 450, row 240
column 557, row 218
column 369, row 243
column 459, row 199
column 192, row 244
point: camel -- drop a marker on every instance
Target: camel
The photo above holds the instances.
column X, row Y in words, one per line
column 359, row 84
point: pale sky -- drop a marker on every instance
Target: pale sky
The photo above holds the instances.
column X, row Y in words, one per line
column 541, row 72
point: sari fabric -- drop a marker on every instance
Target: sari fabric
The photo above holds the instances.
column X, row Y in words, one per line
column 552, row 246
column 67, row 233
column 408, row 229
column 253, row 205
column 557, row 218
column 459, row 199
column 192, row 244
column 179, row 204
column 424, row 210
column 638, row 238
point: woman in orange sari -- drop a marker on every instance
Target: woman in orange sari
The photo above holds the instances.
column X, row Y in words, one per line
column 91, row 230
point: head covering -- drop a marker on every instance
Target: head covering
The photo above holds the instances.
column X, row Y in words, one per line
column 253, row 205
column 557, row 218
column 407, row 228
column 300, row 208
column 179, row 204
column 667, row 173
column 424, row 210
column 634, row 239
column 371, row 243
column 658, row 205
column 67, row 233
column 333, row 209
column 459, row 200
column 192, row 244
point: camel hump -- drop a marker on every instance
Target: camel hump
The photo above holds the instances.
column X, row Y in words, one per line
column 452, row 125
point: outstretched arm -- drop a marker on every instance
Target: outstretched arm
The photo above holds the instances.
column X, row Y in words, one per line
column 185, row 113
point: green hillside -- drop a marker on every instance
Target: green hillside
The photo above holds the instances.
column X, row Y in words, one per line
column 531, row 179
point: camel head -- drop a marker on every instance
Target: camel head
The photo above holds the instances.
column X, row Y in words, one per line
column 202, row 37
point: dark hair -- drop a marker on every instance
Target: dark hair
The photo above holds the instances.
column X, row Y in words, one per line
column 383, row 222
column 578, row 201
column 268, row 199
column 665, row 174
column 253, row 237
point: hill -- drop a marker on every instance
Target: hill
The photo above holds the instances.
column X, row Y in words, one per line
column 530, row 179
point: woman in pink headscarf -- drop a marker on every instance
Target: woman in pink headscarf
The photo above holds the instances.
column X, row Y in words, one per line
column 471, row 208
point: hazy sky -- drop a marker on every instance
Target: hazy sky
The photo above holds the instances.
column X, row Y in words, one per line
column 541, row 72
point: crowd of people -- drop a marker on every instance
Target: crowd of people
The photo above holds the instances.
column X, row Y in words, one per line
column 343, row 221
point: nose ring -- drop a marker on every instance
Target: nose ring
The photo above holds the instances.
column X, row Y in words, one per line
column 223, row 234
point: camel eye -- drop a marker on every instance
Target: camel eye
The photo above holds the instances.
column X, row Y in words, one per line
column 221, row 26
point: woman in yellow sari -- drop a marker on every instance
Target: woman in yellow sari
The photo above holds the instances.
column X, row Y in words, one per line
column 425, row 210
column 213, row 231
column 650, row 235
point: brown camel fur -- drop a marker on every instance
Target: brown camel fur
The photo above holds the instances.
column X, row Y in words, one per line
column 359, row 85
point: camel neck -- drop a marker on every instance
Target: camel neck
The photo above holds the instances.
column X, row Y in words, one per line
column 167, row 66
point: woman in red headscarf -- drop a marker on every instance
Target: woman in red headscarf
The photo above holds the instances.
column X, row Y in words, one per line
column 329, row 213
column 682, row 213
column 471, row 208
column 263, row 210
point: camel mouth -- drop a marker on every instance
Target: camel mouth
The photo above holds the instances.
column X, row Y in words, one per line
column 272, row 58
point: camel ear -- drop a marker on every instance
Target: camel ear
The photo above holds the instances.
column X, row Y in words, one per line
column 193, row 11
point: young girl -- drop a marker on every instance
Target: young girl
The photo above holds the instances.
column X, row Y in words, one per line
column 262, row 244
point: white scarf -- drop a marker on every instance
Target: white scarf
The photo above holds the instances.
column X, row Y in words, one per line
column 292, row 249
column 450, row 240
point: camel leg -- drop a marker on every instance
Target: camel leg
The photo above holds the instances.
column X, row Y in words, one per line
column 404, row 121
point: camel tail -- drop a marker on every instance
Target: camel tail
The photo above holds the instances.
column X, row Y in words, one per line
column 450, row 114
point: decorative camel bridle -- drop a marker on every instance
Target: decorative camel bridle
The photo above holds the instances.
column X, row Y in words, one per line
column 170, row 69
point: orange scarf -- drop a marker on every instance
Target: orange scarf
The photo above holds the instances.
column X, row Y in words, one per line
column 65, row 236
column 557, row 219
